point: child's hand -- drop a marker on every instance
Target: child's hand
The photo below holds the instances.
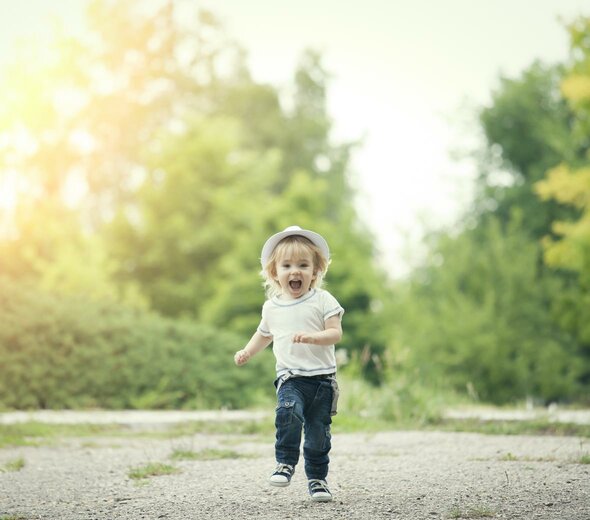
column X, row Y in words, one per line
column 305, row 337
column 241, row 357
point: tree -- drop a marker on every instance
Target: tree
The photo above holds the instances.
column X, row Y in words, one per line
column 486, row 312
column 479, row 317
column 204, row 190
column 567, row 246
column 528, row 130
column 181, row 163
column 80, row 113
column 572, row 249
column 219, row 189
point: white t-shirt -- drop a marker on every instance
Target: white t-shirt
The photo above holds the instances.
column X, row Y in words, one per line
column 281, row 319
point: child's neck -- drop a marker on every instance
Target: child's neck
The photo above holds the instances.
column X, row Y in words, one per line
column 287, row 296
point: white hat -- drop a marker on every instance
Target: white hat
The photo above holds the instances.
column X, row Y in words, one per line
column 272, row 242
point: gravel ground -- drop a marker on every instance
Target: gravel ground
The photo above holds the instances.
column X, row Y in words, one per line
column 401, row 474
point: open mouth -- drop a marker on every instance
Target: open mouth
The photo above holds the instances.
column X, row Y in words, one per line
column 295, row 284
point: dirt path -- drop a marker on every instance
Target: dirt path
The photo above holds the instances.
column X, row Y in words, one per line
column 394, row 475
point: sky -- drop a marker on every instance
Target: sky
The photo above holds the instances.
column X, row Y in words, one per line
column 406, row 77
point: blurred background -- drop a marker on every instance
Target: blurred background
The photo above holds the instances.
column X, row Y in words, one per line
column 149, row 148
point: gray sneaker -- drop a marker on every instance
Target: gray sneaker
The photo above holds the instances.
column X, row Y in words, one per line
column 318, row 489
column 282, row 475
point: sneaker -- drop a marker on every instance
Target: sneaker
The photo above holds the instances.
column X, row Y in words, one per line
column 282, row 475
column 318, row 489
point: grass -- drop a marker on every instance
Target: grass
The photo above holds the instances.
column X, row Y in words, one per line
column 37, row 434
column 12, row 517
column 13, row 465
column 537, row 427
column 584, row 458
column 207, row 454
column 220, row 427
column 152, row 469
column 510, row 457
column 352, row 423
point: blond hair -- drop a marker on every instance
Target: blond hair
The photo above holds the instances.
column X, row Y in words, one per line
column 294, row 246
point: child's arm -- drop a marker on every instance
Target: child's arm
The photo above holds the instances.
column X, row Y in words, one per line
column 331, row 334
column 257, row 343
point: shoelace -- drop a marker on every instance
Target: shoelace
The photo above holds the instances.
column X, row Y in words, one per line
column 318, row 485
column 282, row 467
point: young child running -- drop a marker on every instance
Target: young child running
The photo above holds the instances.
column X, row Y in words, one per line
column 303, row 323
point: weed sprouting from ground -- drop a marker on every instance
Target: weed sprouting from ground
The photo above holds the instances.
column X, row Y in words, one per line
column 13, row 465
column 152, row 469
column 207, row 454
column 510, row 457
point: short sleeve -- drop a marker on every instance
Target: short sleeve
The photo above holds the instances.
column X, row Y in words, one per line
column 330, row 306
column 263, row 327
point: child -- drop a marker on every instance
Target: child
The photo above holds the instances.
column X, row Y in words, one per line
column 303, row 322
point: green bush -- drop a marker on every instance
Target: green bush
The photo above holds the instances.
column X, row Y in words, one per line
column 478, row 317
column 402, row 398
column 58, row 352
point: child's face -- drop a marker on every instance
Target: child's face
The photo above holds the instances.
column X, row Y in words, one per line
column 295, row 274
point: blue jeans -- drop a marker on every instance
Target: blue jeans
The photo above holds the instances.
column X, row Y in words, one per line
column 304, row 404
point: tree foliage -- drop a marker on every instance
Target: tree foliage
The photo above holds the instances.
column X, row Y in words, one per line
column 479, row 319
column 69, row 352
column 181, row 165
column 567, row 246
column 569, row 182
column 528, row 130
column 572, row 249
column 151, row 167
column 490, row 312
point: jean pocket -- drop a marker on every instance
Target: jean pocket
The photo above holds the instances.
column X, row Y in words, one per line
column 284, row 413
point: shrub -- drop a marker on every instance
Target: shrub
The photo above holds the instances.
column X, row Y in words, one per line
column 68, row 352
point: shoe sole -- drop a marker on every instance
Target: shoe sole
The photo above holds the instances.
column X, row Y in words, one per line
column 279, row 484
column 321, row 499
